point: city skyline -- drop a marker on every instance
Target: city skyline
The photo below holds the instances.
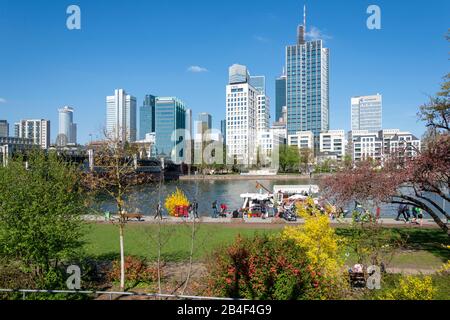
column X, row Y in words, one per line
column 371, row 67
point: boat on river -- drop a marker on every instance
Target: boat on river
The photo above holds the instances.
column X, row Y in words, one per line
column 283, row 197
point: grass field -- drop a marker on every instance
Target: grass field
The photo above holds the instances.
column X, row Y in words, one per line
column 424, row 248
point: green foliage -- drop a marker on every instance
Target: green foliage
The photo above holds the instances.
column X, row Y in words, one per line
column 40, row 212
column 289, row 158
column 265, row 268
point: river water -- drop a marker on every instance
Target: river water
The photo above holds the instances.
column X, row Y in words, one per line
column 145, row 198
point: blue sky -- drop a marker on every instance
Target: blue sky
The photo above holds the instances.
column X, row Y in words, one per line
column 147, row 47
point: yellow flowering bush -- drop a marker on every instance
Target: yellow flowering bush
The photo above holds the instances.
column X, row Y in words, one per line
column 412, row 288
column 178, row 198
column 319, row 240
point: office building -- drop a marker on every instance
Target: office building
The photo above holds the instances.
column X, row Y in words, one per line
column 241, row 116
column 367, row 113
column 4, row 128
column 307, row 85
column 36, row 130
column 121, row 116
column 204, row 123
column 170, row 125
column 302, row 140
column 223, row 130
column 280, row 96
column 147, row 116
column 67, row 130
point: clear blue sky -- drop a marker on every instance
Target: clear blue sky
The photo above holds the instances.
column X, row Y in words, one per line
column 146, row 47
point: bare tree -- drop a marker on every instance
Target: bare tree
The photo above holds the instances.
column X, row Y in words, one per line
column 115, row 175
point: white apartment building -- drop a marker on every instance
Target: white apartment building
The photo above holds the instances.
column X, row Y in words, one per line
column 121, row 116
column 241, row 116
column 269, row 142
column 37, row 130
column 332, row 144
column 302, row 140
column 379, row 145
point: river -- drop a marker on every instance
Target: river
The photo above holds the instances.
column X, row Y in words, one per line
column 145, row 198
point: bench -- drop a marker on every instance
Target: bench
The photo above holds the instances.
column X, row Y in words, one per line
column 137, row 216
column 357, row 279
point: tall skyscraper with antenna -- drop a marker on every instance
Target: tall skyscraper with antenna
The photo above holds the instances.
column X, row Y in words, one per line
column 307, row 84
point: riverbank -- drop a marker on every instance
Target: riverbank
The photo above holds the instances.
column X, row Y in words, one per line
column 258, row 223
column 251, row 177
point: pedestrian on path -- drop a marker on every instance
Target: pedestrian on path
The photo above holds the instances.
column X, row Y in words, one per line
column 214, row 209
column 158, row 211
column 195, row 208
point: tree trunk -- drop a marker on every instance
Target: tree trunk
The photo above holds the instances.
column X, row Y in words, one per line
column 122, row 259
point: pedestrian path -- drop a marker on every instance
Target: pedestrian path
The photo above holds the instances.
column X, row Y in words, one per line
column 228, row 220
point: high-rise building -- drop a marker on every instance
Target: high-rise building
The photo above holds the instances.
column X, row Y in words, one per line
column 259, row 83
column 204, row 123
column 121, row 116
column 147, row 116
column 367, row 113
column 4, row 128
column 280, row 96
column 241, row 116
column 37, row 130
column 238, row 74
column 170, row 125
column 307, row 85
column 189, row 123
column 223, row 130
column 263, row 109
column 67, row 130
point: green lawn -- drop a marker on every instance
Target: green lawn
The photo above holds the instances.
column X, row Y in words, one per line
column 141, row 240
column 424, row 248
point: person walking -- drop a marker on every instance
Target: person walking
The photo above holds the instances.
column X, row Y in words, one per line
column 195, row 208
column 214, row 209
column 401, row 211
column 418, row 215
column 158, row 213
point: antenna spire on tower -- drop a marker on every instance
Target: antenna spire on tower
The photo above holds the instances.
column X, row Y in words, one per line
column 304, row 17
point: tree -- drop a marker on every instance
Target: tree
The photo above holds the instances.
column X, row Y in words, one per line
column 41, row 209
column 400, row 181
column 289, row 157
column 306, row 157
column 116, row 175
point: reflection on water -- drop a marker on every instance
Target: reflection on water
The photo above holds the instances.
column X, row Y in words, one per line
column 145, row 198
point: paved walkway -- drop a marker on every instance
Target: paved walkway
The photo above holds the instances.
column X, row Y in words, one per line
column 259, row 221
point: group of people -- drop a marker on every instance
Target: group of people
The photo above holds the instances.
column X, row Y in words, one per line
column 406, row 211
column 218, row 212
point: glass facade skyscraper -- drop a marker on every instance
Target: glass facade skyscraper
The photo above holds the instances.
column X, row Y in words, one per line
column 280, row 96
column 147, row 116
column 307, row 73
column 259, row 83
column 170, row 123
column 67, row 130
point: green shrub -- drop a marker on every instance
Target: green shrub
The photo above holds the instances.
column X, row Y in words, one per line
column 264, row 268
